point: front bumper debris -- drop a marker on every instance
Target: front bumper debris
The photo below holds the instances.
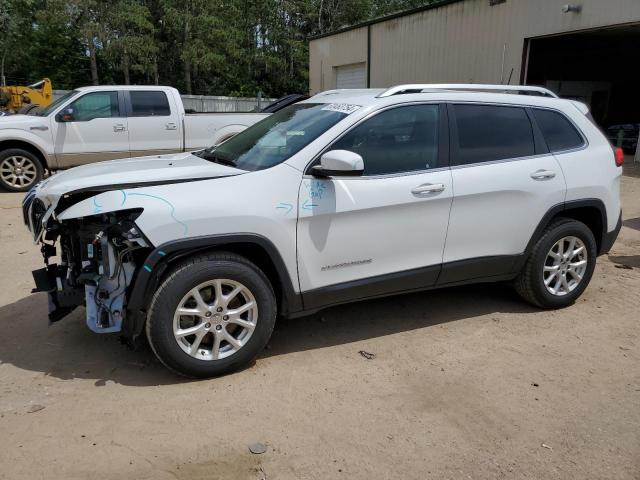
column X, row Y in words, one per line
column 63, row 298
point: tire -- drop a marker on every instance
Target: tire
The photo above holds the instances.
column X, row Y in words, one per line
column 539, row 276
column 166, row 329
column 19, row 170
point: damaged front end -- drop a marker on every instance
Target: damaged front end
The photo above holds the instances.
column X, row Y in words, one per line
column 90, row 261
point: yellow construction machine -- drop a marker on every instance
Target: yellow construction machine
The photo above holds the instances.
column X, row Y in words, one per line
column 20, row 99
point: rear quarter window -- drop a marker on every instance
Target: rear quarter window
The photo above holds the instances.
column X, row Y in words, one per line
column 558, row 131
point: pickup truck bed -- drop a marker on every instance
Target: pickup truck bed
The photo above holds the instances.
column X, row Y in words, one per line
column 205, row 129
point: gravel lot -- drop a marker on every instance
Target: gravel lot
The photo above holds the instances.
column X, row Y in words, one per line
column 467, row 382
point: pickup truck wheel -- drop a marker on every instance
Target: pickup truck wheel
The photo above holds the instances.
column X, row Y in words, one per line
column 19, row 170
column 560, row 265
column 214, row 314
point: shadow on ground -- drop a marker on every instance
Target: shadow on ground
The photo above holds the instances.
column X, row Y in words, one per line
column 626, row 261
column 632, row 223
column 68, row 350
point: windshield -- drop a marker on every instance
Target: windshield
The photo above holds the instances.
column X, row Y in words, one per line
column 277, row 137
column 55, row 104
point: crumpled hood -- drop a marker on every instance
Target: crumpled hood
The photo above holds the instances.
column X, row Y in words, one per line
column 20, row 122
column 132, row 172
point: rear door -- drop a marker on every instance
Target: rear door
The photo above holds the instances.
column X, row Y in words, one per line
column 384, row 231
column 505, row 180
column 98, row 130
column 153, row 128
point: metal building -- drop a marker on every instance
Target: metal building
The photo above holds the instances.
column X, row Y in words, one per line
column 583, row 49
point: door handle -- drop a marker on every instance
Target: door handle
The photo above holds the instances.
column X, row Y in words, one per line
column 428, row 188
column 118, row 127
column 171, row 126
column 543, row 175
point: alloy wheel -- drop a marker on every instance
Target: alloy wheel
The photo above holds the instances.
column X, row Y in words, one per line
column 565, row 265
column 215, row 319
column 18, row 171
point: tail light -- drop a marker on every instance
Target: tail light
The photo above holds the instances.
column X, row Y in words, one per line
column 619, row 154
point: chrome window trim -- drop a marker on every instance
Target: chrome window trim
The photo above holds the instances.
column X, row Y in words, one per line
column 584, row 145
column 502, row 160
column 381, row 176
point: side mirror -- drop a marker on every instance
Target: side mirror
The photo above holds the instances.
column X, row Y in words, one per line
column 339, row 163
column 65, row 115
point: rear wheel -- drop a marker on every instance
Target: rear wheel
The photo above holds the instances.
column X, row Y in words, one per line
column 19, row 170
column 211, row 316
column 560, row 265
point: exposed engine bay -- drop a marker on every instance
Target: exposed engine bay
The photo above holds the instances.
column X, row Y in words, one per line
column 97, row 258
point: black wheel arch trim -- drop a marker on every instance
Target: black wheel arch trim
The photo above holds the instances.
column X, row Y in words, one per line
column 149, row 275
column 610, row 237
column 601, row 237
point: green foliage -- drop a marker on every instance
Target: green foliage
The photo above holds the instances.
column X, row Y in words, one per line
column 224, row 47
column 128, row 37
column 15, row 24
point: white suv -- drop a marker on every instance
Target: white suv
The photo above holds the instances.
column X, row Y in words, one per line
column 349, row 195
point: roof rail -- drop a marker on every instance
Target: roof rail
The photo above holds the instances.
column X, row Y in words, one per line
column 418, row 88
column 342, row 90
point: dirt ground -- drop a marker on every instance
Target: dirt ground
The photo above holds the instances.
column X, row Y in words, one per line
column 467, row 382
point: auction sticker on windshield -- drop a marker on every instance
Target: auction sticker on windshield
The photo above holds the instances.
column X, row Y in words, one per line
column 341, row 107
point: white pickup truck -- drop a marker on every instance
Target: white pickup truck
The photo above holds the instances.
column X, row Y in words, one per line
column 92, row 124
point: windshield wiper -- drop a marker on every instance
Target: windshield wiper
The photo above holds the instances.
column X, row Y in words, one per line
column 214, row 158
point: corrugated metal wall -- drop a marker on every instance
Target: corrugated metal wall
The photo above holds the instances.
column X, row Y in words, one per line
column 459, row 42
column 329, row 52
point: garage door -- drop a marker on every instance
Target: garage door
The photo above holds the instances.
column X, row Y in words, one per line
column 351, row 76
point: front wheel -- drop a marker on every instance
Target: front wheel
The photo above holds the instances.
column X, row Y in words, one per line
column 19, row 170
column 560, row 265
column 214, row 314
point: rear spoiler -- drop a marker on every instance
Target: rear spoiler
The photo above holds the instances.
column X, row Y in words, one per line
column 583, row 107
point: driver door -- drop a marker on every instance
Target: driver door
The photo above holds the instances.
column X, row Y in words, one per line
column 98, row 130
column 384, row 231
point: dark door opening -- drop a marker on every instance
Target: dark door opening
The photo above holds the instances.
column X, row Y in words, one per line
column 597, row 67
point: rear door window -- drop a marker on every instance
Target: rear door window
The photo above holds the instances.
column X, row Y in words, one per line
column 491, row 132
column 559, row 133
column 149, row 104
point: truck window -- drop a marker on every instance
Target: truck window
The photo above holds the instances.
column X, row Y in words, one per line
column 56, row 103
column 95, row 105
column 149, row 104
